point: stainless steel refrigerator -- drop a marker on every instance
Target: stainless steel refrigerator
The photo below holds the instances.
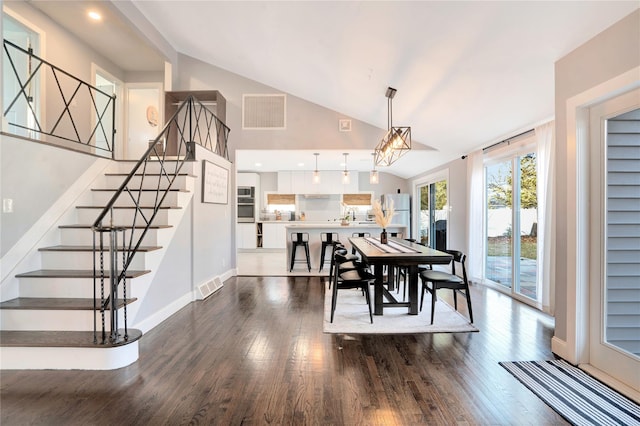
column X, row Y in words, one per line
column 402, row 207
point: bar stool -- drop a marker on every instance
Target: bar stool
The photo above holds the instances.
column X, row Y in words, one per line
column 361, row 235
column 327, row 238
column 299, row 239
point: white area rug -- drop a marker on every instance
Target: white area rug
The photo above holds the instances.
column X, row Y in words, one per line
column 352, row 317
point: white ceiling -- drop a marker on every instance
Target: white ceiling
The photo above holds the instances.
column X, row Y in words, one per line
column 467, row 74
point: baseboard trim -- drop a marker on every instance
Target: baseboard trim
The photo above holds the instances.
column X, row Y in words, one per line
column 561, row 349
column 38, row 358
column 159, row 316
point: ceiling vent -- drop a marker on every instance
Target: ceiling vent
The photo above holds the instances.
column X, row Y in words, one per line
column 261, row 112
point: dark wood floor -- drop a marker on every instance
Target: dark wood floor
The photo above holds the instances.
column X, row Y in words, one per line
column 255, row 353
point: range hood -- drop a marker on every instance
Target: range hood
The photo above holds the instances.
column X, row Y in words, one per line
column 316, row 196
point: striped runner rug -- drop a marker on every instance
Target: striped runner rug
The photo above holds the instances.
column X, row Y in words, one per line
column 575, row 395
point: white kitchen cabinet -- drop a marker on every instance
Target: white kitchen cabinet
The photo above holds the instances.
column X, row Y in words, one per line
column 246, row 235
column 301, row 182
column 274, row 235
column 284, row 183
column 248, row 179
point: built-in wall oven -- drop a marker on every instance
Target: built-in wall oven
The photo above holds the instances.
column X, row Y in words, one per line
column 246, row 204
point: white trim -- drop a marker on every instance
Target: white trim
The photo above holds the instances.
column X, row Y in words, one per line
column 577, row 339
column 118, row 148
column 38, row 358
column 162, row 314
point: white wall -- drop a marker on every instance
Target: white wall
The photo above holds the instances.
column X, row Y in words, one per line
column 199, row 252
column 308, row 125
column 34, row 176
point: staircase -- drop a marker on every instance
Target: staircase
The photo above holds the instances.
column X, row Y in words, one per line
column 51, row 324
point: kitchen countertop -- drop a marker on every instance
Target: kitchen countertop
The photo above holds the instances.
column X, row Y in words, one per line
column 337, row 225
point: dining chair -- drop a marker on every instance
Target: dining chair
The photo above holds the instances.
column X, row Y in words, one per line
column 358, row 278
column 352, row 263
column 439, row 279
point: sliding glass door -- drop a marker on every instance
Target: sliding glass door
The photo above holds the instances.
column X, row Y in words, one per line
column 511, row 223
column 432, row 224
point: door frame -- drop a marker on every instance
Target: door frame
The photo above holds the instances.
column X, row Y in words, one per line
column 602, row 355
column 118, row 148
column 575, row 347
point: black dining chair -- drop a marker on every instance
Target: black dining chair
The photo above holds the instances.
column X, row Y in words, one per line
column 439, row 279
column 353, row 261
column 358, row 278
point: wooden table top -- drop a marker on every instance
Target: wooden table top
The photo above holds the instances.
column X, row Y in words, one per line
column 398, row 251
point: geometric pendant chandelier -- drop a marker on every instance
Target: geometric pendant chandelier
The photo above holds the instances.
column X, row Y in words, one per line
column 396, row 142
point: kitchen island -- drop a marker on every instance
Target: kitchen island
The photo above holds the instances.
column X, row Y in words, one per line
column 315, row 243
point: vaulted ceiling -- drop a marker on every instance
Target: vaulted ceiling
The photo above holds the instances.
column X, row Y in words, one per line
column 467, row 73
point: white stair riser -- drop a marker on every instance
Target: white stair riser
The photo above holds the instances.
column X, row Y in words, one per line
column 84, row 260
column 98, row 358
column 172, row 199
column 189, row 167
column 84, row 237
column 54, row 320
column 125, row 216
column 185, row 183
column 67, row 287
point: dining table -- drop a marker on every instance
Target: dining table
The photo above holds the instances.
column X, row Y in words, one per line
column 396, row 252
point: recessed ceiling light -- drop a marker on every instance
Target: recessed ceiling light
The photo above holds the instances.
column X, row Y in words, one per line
column 258, row 164
column 300, row 164
column 95, row 15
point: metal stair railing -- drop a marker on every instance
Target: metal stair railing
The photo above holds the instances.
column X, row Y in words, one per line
column 117, row 244
column 22, row 110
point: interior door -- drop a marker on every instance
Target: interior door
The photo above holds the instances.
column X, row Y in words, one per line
column 614, row 285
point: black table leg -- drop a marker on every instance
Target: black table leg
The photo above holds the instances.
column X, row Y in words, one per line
column 413, row 290
column 378, row 290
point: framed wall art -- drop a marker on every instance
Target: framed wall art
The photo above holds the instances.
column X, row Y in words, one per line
column 215, row 183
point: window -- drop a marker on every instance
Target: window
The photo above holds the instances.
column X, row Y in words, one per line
column 511, row 219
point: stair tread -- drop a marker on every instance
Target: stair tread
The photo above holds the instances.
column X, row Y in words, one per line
column 61, row 339
column 163, row 207
column 90, row 248
column 85, row 226
column 143, row 190
column 72, row 273
column 150, row 174
column 55, row 303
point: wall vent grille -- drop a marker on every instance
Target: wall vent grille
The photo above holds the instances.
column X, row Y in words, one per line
column 264, row 111
column 207, row 289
